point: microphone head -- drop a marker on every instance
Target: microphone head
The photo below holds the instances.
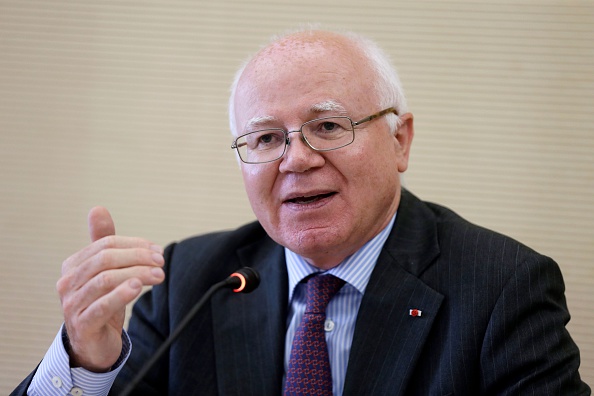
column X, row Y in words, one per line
column 244, row 280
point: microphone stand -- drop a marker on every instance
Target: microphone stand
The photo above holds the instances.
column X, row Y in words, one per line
column 229, row 282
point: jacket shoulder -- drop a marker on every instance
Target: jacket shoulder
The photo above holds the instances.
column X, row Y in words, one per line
column 433, row 231
column 453, row 228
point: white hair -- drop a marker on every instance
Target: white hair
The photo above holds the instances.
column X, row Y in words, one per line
column 387, row 85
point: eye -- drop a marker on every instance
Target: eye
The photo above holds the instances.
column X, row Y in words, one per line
column 329, row 126
column 264, row 140
column 326, row 129
column 271, row 139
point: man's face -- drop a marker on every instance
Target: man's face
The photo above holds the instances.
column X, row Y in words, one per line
column 321, row 205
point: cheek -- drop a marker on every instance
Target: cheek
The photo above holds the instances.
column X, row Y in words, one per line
column 379, row 175
column 258, row 181
column 374, row 156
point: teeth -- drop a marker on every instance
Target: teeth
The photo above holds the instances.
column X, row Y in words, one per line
column 306, row 200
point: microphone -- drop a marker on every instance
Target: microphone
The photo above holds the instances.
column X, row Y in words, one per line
column 244, row 280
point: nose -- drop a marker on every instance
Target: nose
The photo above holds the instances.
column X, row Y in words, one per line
column 301, row 137
column 299, row 156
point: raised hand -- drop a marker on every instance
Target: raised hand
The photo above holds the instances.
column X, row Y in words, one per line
column 96, row 284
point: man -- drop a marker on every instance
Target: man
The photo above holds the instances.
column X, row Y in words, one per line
column 428, row 303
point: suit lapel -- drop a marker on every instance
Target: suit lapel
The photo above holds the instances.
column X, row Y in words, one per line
column 249, row 329
column 388, row 339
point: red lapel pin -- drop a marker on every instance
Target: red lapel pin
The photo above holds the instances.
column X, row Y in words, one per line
column 415, row 312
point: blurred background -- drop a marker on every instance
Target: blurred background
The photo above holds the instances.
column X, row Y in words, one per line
column 123, row 104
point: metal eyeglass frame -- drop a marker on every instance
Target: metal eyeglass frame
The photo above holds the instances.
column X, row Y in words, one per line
column 300, row 130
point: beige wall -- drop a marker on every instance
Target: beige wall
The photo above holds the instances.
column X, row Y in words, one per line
column 123, row 104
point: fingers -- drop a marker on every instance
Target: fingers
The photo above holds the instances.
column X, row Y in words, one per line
column 102, row 233
column 108, row 306
column 104, row 296
column 100, row 223
column 106, row 243
column 76, row 273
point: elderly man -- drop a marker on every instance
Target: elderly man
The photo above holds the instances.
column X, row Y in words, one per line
column 365, row 289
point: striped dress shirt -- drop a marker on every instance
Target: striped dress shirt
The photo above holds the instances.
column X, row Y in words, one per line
column 341, row 313
column 54, row 377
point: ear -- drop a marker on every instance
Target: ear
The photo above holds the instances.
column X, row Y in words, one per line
column 404, row 136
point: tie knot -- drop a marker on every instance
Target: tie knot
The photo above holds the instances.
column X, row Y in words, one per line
column 320, row 290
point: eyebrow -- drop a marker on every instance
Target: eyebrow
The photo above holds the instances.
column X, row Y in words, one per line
column 257, row 122
column 328, row 105
column 317, row 108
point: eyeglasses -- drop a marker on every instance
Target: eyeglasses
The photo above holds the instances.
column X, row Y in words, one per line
column 321, row 134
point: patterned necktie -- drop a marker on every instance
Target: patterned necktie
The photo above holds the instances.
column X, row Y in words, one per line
column 309, row 367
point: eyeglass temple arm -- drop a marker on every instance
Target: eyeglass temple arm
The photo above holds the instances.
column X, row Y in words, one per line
column 376, row 115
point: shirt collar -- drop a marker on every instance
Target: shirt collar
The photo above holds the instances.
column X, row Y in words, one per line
column 355, row 269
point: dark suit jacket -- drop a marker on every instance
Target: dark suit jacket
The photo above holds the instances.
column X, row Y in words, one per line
column 493, row 316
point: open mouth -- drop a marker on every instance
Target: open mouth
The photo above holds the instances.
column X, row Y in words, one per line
column 311, row 199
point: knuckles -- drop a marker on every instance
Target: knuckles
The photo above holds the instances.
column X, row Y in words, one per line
column 108, row 242
column 104, row 259
column 104, row 281
column 64, row 284
column 69, row 307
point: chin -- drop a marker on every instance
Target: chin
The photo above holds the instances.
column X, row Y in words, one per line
column 312, row 241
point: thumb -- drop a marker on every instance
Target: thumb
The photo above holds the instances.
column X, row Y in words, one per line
column 100, row 223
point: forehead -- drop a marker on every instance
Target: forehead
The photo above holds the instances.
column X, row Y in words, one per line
column 302, row 76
